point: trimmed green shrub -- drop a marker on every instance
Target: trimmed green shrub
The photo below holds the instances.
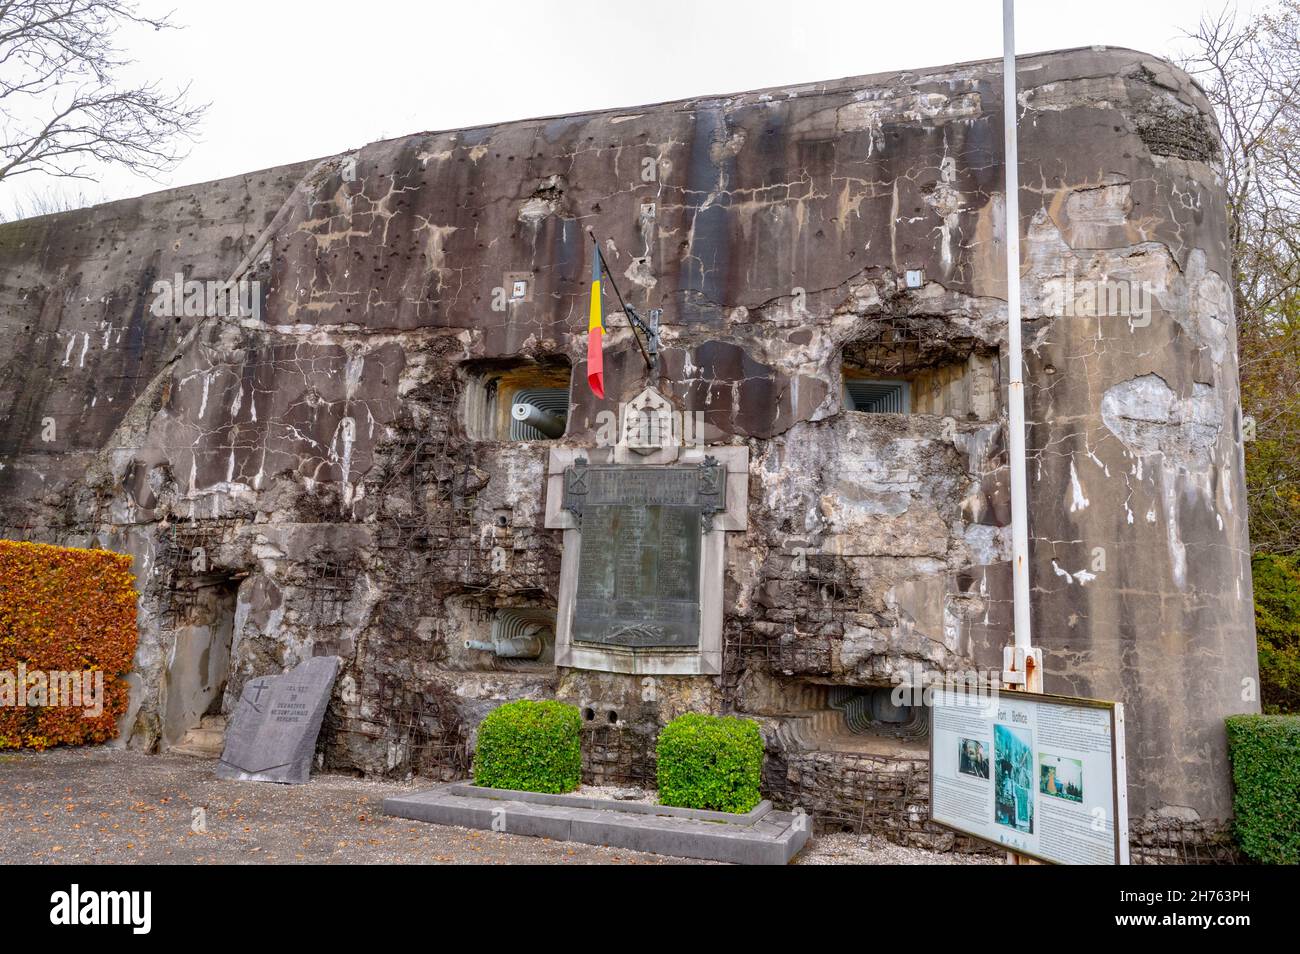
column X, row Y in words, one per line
column 530, row 747
column 1265, row 752
column 1277, row 629
column 712, row 762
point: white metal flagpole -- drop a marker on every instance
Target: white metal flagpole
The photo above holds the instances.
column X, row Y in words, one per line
column 1021, row 663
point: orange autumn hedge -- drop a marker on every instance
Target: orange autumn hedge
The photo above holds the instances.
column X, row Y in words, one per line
column 68, row 611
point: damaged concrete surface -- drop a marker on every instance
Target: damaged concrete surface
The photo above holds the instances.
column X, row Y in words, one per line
column 316, row 457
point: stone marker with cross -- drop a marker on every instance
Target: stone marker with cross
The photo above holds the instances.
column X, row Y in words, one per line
column 272, row 735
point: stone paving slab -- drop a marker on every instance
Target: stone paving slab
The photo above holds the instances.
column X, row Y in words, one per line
column 766, row 837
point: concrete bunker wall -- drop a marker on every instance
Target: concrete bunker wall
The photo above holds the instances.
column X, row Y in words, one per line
column 324, row 451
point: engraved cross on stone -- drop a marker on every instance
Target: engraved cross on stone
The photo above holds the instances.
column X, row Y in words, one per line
column 258, row 686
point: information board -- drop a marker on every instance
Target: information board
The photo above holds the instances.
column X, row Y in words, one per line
column 1036, row 774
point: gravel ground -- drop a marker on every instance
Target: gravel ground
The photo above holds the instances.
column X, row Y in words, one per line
column 619, row 793
column 842, row 849
column 111, row 806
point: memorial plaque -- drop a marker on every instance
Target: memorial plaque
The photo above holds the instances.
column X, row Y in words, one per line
column 702, row 487
column 272, row 735
column 639, row 566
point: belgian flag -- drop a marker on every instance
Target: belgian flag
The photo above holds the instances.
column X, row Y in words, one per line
column 596, row 331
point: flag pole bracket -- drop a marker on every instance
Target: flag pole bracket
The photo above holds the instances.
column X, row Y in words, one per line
column 650, row 329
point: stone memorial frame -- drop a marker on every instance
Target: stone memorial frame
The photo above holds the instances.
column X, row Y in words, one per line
column 703, row 659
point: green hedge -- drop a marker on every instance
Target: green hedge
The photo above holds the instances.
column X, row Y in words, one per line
column 530, row 747
column 1265, row 752
column 1277, row 627
column 712, row 762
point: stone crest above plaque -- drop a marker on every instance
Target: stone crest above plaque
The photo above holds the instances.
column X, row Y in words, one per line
column 648, row 422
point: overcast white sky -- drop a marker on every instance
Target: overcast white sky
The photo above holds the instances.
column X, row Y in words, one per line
column 292, row 79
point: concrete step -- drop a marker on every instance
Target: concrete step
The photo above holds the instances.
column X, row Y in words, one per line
column 204, row 741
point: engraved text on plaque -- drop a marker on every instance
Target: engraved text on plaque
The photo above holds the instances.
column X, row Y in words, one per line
column 639, row 566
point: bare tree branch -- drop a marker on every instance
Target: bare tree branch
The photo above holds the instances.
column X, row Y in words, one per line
column 1251, row 73
column 64, row 111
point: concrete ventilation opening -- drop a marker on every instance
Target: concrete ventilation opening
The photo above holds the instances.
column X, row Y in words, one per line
column 521, row 638
column 195, row 680
column 904, row 370
column 877, row 397
column 517, row 401
column 872, row 710
column 853, row 719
